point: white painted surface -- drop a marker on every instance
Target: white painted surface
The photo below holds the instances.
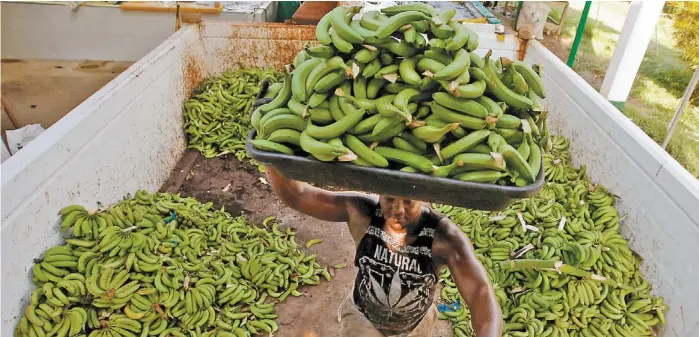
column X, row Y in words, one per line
column 632, row 44
column 660, row 198
column 128, row 136
column 53, row 31
column 125, row 137
column 5, row 152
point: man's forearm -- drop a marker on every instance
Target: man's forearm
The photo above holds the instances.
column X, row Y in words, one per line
column 286, row 189
column 486, row 316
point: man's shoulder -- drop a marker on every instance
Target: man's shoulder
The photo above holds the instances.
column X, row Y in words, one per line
column 363, row 204
column 447, row 229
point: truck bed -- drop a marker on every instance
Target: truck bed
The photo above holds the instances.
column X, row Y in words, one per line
column 128, row 136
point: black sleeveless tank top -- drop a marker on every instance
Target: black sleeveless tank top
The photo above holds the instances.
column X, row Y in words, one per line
column 395, row 283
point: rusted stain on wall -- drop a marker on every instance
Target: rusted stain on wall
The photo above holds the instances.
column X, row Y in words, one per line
column 522, row 49
column 267, row 44
column 192, row 75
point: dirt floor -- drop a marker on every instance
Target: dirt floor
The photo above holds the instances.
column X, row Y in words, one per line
column 237, row 187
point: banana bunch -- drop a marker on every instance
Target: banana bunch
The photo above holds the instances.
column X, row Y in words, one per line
column 403, row 89
column 52, row 322
column 557, row 262
column 160, row 264
column 217, row 117
column 116, row 325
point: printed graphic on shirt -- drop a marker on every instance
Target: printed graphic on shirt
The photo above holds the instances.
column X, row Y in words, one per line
column 394, row 293
column 396, row 245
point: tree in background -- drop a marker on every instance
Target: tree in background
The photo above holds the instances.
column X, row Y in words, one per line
column 686, row 23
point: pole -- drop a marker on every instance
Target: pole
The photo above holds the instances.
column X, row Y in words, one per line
column 579, row 34
column 680, row 110
column 635, row 36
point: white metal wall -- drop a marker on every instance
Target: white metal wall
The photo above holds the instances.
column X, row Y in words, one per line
column 127, row 136
column 659, row 198
column 53, row 31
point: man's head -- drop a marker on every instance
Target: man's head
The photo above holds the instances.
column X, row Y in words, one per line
column 399, row 212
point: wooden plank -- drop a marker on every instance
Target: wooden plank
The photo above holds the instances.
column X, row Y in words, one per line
column 43, row 91
column 310, row 12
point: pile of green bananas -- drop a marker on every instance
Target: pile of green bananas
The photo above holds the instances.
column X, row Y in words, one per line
column 404, row 89
column 557, row 262
column 163, row 265
column 217, row 117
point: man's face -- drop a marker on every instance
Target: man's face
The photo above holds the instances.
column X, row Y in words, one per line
column 399, row 212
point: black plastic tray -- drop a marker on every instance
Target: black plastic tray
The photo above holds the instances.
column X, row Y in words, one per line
column 489, row 197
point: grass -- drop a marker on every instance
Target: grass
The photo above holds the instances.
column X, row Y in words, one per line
column 659, row 85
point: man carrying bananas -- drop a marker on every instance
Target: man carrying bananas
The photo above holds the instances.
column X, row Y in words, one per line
column 401, row 246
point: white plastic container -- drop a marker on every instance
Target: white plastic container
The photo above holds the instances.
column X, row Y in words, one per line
column 129, row 136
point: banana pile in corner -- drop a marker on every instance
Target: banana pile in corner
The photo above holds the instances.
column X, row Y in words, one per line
column 163, row 265
column 217, row 116
column 403, row 89
column 557, row 262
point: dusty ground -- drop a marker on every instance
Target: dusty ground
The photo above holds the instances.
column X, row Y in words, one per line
column 314, row 315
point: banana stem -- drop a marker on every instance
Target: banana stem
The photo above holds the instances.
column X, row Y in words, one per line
column 527, row 264
column 559, row 267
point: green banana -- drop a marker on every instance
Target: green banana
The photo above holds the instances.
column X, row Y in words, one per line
column 485, row 176
column 300, row 76
column 370, row 20
column 373, row 87
column 472, row 43
column 336, row 129
column 419, row 7
column 462, row 60
column 316, row 147
column 464, row 105
column 329, row 81
column 449, row 115
column 433, row 134
column 531, row 77
column 460, row 37
column 445, row 171
column 282, row 98
column 364, row 152
column 407, row 158
column 365, row 125
column 429, row 67
column 502, row 92
column 337, row 22
column 340, row 43
column 387, row 28
column 371, row 68
column 289, row 136
column 403, row 144
column 400, row 48
column 322, row 29
column 287, row 121
column 515, row 160
column 407, row 71
column 477, row 161
column 442, row 31
column 366, row 55
column 465, row 143
column 320, row 51
column 328, row 66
